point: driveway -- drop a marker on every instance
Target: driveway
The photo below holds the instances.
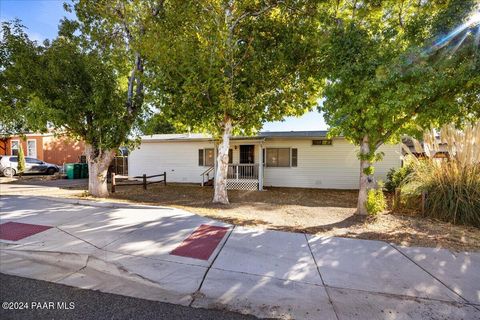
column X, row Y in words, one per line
column 170, row 255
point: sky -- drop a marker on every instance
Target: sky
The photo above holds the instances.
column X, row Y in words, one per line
column 41, row 18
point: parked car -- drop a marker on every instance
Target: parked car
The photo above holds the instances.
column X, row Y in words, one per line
column 9, row 166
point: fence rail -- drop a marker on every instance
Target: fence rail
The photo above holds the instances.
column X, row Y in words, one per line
column 144, row 183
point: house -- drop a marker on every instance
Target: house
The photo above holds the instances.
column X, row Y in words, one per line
column 57, row 149
column 305, row 159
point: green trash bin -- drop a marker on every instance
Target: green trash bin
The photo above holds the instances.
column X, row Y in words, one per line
column 77, row 170
column 84, row 171
column 69, row 170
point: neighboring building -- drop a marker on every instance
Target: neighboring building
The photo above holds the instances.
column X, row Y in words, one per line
column 419, row 152
column 47, row 147
column 306, row 159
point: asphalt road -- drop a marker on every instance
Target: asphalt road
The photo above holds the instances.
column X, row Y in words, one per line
column 45, row 300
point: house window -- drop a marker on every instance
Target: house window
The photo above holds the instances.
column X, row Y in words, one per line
column 206, row 157
column 322, row 142
column 32, row 148
column 15, row 146
column 209, row 157
column 278, row 157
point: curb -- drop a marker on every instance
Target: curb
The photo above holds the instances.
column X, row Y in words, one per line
column 91, row 265
column 93, row 203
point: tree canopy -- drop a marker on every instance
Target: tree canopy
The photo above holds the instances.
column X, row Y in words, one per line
column 16, row 48
column 65, row 86
column 385, row 76
column 248, row 61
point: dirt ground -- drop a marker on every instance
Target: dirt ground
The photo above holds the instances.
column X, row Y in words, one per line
column 313, row 211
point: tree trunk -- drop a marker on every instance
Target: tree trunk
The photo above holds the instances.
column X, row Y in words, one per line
column 220, row 193
column 98, row 162
column 366, row 179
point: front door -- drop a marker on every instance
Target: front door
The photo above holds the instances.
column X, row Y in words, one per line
column 247, row 153
column 247, row 157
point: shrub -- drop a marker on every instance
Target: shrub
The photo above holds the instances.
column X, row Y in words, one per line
column 375, row 201
column 21, row 161
column 396, row 177
column 452, row 185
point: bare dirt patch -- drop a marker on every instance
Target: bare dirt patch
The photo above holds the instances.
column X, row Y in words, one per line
column 313, row 211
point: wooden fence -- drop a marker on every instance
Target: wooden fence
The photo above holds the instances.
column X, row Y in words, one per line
column 397, row 200
column 144, row 183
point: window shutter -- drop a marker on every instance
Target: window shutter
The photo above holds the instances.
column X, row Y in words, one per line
column 294, row 157
column 230, row 156
column 200, row 157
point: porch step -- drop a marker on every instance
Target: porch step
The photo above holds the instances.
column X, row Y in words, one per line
column 209, row 182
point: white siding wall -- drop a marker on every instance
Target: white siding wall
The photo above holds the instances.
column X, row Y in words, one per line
column 328, row 167
column 178, row 159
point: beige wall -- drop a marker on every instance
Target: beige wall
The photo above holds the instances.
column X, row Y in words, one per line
column 178, row 159
column 329, row 167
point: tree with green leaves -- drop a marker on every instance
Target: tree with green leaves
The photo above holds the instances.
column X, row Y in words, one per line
column 157, row 124
column 117, row 29
column 14, row 93
column 70, row 89
column 87, row 82
column 385, row 77
column 232, row 65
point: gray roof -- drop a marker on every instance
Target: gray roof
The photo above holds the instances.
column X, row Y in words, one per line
column 261, row 135
column 293, row 134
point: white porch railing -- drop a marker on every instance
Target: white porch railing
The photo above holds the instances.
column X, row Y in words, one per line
column 242, row 176
column 243, row 171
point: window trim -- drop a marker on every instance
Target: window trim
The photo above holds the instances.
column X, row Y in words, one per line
column 11, row 146
column 28, row 153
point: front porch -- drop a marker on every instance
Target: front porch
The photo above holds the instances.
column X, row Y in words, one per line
column 243, row 176
column 244, row 169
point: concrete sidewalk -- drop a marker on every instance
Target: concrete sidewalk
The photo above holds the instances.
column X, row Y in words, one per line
column 126, row 250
